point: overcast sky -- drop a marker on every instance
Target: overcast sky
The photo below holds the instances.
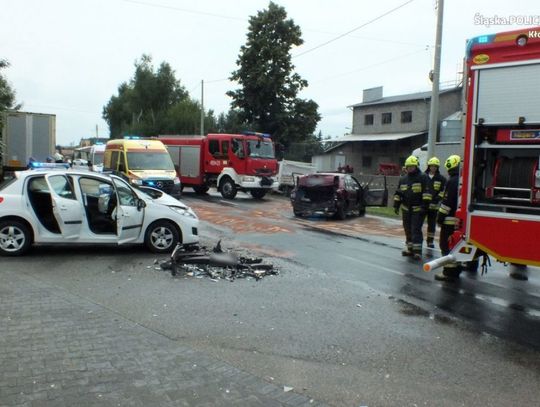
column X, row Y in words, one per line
column 69, row 56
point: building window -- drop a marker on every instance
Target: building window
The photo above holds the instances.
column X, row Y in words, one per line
column 406, row 116
column 386, row 118
column 366, row 161
column 368, row 120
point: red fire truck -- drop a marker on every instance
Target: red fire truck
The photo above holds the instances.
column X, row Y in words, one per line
column 231, row 162
column 499, row 199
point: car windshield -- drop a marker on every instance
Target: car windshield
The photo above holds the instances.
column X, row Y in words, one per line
column 149, row 192
column 260, row 149
column 150, row 161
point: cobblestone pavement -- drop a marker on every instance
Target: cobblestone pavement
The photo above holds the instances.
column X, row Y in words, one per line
column 58, row 349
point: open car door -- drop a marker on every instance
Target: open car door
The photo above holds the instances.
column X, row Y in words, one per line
column 375, row 191
column 129, row 216
column 66, row 207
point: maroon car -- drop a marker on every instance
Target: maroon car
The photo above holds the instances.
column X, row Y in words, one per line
column 332, row 194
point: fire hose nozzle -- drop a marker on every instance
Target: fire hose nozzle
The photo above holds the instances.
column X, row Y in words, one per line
column 440, row 262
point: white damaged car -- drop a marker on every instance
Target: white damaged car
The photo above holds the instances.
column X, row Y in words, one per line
column 62, row 206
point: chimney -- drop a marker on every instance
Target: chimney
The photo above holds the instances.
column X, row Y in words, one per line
column 372, row 94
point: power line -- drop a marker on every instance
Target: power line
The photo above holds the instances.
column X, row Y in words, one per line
column 354, row 29
column 185, row 10
column 367, row 67
column 412, row 44
column 204, row 13
column 217, row 80
column 194, row 87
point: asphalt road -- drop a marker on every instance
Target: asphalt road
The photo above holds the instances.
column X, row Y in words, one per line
column 348, row 320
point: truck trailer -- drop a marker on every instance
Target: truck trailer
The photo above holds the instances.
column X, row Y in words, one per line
column 26, row 135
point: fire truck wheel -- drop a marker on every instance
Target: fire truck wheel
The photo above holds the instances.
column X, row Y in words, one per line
column 258, row 193
column 201, row 190
column 228, row 189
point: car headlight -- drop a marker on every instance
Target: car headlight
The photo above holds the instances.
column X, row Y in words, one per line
column 248, row 179
column 137, row 181
column 184, row 211
column 176, row 181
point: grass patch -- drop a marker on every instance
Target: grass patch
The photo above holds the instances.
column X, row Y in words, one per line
column 382, row 211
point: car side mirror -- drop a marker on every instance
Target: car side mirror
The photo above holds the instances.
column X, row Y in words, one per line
column 140, row 204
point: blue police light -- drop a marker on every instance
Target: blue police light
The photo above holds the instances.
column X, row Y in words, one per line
column 132, row 137
column 36, row 164
column 484, row 39
column 254, row 133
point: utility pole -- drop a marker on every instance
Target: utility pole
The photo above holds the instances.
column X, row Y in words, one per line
column 202, row 107
column 434, row 110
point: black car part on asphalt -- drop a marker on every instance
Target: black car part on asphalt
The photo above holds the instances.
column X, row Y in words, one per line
column 216, row 263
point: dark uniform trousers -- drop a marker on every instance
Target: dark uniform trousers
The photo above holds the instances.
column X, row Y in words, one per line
column 452, row 269
column 431, row 224
column 413, row 219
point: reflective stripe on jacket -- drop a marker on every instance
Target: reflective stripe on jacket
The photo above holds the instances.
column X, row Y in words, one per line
column 413, row 192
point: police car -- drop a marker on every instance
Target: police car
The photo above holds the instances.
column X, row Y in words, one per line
column 52, row 205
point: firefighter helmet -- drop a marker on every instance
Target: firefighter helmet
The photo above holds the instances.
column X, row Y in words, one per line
column 452, row 162
column 412, row 161
column 434, row 161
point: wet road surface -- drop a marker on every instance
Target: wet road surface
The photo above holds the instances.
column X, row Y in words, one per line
column 349, row 321
column 492, row 302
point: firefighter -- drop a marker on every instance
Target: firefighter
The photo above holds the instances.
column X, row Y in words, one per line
column 446, row 218
column 437, row 183
column 413, row 197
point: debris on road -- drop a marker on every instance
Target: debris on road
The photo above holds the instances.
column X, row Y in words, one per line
column 216, row 264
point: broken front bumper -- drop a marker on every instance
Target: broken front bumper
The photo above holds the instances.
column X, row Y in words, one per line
column 313, row 208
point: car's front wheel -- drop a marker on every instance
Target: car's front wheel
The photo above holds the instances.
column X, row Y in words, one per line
column 15, row 238
column 161, row 237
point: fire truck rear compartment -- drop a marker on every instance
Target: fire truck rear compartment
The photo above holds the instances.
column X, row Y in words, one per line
column 506, row 174
column 514, row 180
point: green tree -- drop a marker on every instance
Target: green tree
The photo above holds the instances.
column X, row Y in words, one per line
column 268, row 94
column 7, row 94
column 230, row 122
column 153, row 102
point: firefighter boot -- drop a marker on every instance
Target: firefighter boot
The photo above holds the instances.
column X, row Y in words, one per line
column 449, row 274
column 429, row 243
column 407, row 251
column 444, row 277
